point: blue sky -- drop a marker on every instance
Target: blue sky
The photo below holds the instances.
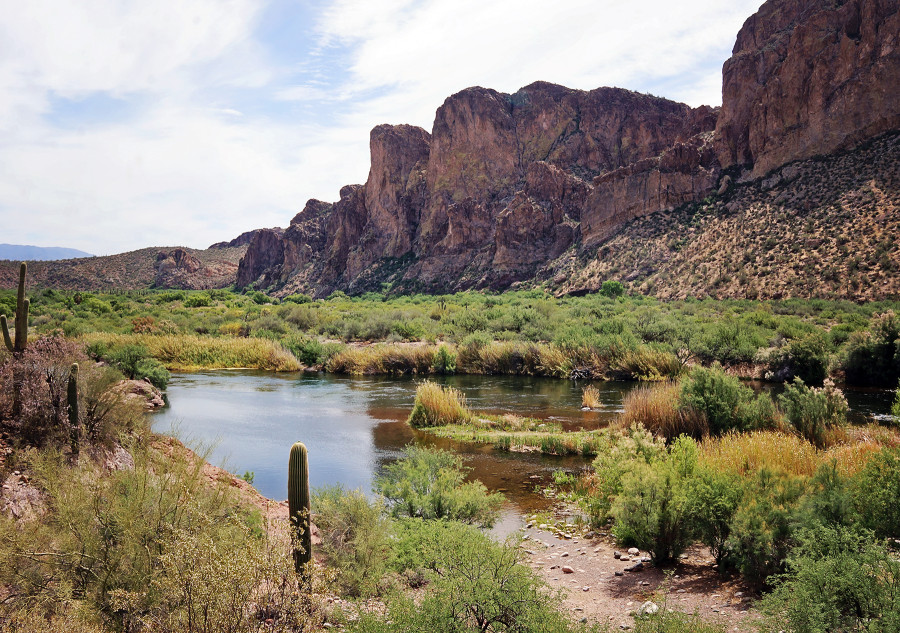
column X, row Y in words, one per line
column 126, row 124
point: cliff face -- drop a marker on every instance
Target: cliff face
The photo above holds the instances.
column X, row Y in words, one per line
column 809, row 77
column 505, row 184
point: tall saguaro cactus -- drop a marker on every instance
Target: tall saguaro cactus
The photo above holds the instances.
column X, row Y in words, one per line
column 298, row 507
column 22, row 305
column 72, row 402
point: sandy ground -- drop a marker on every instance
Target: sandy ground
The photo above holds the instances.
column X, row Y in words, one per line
column 593, row 590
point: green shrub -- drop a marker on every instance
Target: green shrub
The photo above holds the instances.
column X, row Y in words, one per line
column 355, row 538
column 873, row 357
column 876, row 493
column 722, row 399
column 808, row 358
column 444, row 361
column 761, row 530
column 838, row 579
column 198, row 300
column 474, row 585
column 612, row 289
column 813, row 411
column 673, row 621
column 430, row 484
column 712, row 498
column 621, row 453
column 154, row 371
column 652, row 511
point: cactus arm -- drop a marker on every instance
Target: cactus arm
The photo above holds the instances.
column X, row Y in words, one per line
column 298, row 508
column 6, row 338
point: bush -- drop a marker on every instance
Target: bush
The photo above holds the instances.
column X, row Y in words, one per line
column 873, row 357
column 808, row 358
column 876, row 492
column 444, row 361
column 813, row 411
column 198, row 300
column 474, row 584
column 838, row 579
column 713, row 497
column 623, row 452
column 723, row 401
column 612, row 289
column 761, row 530
column 355, row 538
column 430, row 484
column 651, row 513
column 437, row 406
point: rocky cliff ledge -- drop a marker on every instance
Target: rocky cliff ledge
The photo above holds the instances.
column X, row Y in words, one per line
column 506, row 183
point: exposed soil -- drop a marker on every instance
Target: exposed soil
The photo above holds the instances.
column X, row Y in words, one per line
column 594, row 591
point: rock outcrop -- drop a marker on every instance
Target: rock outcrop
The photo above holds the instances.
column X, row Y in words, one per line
column 506, row 183
column 807, row 78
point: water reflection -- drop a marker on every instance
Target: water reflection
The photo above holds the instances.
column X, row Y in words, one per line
column 354, row 426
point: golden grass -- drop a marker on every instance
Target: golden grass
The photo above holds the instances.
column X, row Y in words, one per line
column 648, row 364
column 186, row 352
column 438, row 406
column 383, row 359
column 746, row 453
column 657, row 409
column 590, row 397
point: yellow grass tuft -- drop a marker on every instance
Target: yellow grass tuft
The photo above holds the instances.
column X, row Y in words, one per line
column 438, row 406
column 657, row 409
column 590, row 397
column 383, row 359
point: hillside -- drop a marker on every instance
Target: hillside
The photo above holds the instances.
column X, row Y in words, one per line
column 177, row 267
column 822, row 228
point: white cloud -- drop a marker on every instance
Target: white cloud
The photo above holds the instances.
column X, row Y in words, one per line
column 216, row 135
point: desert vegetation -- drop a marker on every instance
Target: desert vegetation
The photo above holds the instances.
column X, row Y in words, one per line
column 599, row 336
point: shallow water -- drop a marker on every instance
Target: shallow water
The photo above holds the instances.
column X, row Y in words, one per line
column 354, row 426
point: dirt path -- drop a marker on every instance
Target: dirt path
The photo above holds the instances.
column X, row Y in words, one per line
column 599, row 588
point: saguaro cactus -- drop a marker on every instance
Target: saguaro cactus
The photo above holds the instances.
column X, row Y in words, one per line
column 72, row 401
column 298, row 507
column 22, row 305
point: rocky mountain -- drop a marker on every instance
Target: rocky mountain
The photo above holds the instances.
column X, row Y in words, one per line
column 145, row 268
column 507, row 188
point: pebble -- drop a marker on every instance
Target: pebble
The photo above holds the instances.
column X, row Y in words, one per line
column 585, row 588
column 617, row 554
column 564, row 554
column 567, row 570
column 634, row 551
column 619, row 573
column 638, row 566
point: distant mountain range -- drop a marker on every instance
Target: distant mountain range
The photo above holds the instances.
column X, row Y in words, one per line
column 19, row 252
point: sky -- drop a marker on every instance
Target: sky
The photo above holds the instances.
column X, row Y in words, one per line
column 134, row 123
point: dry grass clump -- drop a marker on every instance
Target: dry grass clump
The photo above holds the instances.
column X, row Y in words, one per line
column 648, row 364
column 438, row 406
column 657, row 408
column 590, row 397
column 187, row 352
column 382, row 359
column 746, row 453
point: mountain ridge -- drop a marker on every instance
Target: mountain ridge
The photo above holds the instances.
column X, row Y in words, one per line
column 504, row 184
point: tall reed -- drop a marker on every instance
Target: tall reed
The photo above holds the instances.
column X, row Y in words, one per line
column 438, row 406
column 658, row 409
